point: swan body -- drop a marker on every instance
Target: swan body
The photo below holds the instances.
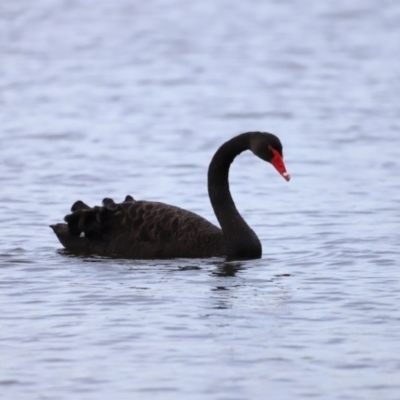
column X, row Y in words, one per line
column 153, row 230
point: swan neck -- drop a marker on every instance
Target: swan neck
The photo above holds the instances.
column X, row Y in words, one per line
column 241, row 241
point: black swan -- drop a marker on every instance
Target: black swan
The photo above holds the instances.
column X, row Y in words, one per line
column 145, row 229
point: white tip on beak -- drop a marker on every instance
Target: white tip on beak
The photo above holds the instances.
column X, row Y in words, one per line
column 286, row 176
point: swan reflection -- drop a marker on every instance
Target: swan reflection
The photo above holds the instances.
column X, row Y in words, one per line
column 227, row 269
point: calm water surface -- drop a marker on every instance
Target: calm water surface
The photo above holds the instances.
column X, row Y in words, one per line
column 113, row 98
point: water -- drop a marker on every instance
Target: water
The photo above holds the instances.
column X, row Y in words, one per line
column 114, row 98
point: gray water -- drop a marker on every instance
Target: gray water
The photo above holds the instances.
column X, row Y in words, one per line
column 104, row 99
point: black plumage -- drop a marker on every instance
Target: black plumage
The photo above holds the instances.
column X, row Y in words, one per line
column 143, row 229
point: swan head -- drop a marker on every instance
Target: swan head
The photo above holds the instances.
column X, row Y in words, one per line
column 268, row 147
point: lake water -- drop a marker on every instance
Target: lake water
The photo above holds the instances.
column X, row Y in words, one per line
column 104, row 99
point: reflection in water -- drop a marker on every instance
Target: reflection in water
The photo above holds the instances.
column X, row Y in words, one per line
column 189, row 268
column 226, row 269
column 223, row 294
column 268, row 294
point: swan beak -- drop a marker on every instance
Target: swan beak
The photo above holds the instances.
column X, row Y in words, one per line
column 277, row 162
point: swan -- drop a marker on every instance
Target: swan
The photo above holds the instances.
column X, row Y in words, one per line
column 153, row 230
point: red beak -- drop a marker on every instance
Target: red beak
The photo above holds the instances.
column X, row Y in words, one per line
column 277, row 162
